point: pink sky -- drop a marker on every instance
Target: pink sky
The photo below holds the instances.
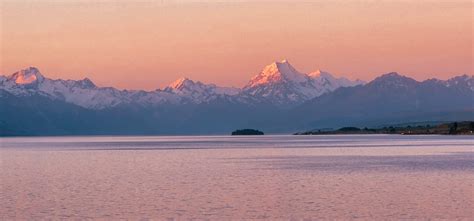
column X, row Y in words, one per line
column 149, row 44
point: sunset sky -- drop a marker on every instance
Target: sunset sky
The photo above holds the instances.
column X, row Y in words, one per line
column 148, row 44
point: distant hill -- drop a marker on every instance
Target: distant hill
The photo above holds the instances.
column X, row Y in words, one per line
column 453, row 128
column 389, row 99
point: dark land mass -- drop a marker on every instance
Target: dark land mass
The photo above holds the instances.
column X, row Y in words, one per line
column 453, row 128
column 247, row 132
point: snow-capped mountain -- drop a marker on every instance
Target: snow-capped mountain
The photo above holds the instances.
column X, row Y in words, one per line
column 463, row 82
column 326, row 80
column 282, row 84
column 86, row 94
column 279, row 83
column 32, row 104
column 83, row 93
column 197, row 91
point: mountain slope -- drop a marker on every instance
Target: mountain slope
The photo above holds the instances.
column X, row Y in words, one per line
column 83, row 93
column 39, row 115
column 279, row 84
column 197, row 91
column 283, row 85
column 389, row 98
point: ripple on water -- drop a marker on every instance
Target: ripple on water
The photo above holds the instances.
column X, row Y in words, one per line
column 269, row 177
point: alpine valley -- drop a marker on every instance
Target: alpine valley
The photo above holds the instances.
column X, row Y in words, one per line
column 279, row 99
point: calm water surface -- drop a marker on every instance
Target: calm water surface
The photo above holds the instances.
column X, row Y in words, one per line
column 368, row 177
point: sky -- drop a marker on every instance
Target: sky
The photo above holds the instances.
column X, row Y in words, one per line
column 149, row 44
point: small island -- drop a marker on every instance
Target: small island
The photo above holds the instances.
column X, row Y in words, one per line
column 453, row 128
column 247, row 132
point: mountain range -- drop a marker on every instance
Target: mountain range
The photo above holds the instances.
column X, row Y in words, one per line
column 279, row 99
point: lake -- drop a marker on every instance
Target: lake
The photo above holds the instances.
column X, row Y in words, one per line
column 368, row 177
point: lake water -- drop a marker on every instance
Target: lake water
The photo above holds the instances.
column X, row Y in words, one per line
column 368, row 177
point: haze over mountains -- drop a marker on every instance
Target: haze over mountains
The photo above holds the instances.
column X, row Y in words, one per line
column 278, row 99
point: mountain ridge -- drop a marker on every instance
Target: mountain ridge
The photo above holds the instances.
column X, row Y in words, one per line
column 278, row 83
column 389, row 97
column 42, row 106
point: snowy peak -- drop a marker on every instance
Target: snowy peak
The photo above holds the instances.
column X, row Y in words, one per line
column 83, row 92
column 187, row 86
column 184, row 86
column 319, row 74
column 27, row 76
column 283, row 85
column 180, row 83
column 276, row 72
column 197, row 91
column 326, row 78
column 462, row 82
